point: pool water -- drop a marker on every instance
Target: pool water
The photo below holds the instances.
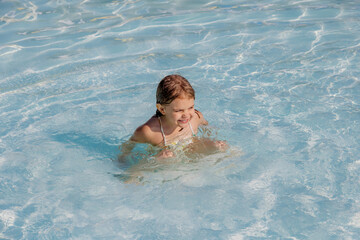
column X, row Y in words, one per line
column 278, row 80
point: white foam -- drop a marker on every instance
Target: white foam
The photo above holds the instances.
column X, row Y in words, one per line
column 355, row 220
column 257, row 229
column 2, row 159
column 193, row 180
column 66, row 21
column 236, row 236
column 8, row 217
column 354, row 166
column 133, row 214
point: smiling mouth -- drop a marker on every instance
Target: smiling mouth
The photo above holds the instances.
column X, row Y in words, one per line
column 184, row 121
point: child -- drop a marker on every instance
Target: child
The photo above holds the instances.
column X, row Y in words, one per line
column 176, row 121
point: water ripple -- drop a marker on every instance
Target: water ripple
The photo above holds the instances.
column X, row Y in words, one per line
column 26, row 13
column 278, row 80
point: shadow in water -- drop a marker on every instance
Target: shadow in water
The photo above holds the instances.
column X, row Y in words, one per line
column 92, row 144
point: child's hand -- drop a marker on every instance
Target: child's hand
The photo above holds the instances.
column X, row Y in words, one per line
column 166, row 153
column 214, row 146
column 221, row 145
column 207, row 146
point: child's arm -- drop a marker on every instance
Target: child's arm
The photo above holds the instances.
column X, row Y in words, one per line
column 149, row 133
column 139, row 135
column 206, row 145
column 143, row 134
column 125, row 148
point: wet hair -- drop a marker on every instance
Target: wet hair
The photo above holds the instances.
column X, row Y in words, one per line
column 172, row 87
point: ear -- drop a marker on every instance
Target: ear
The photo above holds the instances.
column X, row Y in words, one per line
column 160, row 108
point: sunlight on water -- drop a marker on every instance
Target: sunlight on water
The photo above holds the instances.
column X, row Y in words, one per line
column 278, row 80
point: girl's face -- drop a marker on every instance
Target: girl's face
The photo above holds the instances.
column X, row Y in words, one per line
column 179, row 112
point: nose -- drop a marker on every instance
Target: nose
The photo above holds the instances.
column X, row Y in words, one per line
column 186, row 114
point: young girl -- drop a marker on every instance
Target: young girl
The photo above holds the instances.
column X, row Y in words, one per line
column 176, row 121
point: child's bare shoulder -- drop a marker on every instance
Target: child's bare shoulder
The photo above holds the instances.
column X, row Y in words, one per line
column 147, row 133
column 201, row 119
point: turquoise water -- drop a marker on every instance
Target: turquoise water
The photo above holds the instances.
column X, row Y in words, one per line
column 279, row 80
